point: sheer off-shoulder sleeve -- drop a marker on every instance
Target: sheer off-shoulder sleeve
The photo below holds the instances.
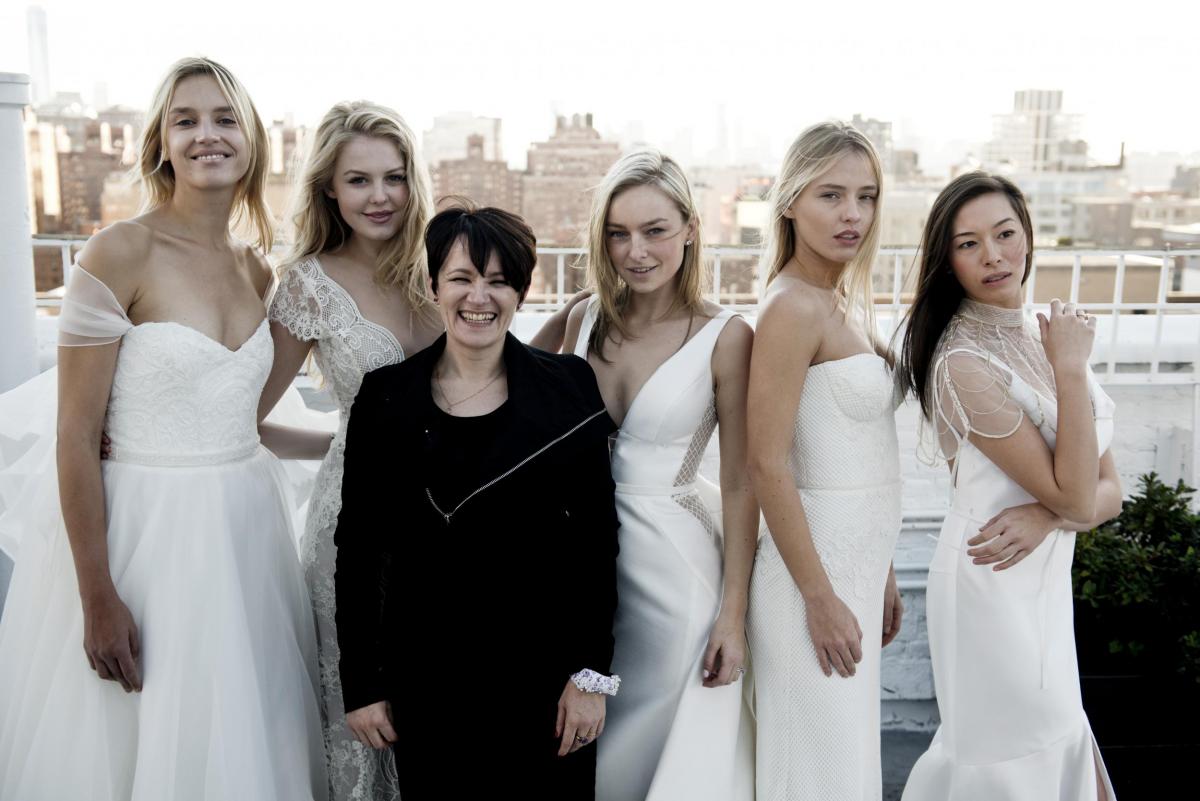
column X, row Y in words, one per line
column 295, row 304
column 973, row 393
column 91, row 313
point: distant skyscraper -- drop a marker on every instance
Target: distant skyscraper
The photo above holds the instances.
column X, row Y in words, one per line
column 447, row 139
column 880, row 134
column 39, row 54
column 1036, row 135
column 486, row 182
column 556, row 190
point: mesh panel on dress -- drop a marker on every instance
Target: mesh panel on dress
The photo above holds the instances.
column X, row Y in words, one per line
column 690, row 467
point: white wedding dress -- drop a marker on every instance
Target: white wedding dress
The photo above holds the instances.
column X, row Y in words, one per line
column 818, row 735
column 1002, row 642
column 314, row 307
column 666, row 735
column 200, row 550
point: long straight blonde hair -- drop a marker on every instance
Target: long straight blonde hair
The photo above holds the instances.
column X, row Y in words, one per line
column 640, row 168
column 157, row 175
column 813, row 153
column 317, row 224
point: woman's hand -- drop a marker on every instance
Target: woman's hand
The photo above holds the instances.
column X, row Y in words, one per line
column 580, row 718
column 552, row 333
column 725, row 656
column 110, row 640
column 835, row 633
column 1067, row 335
column 893, row 608
column 372, row 725
column 1012, row 535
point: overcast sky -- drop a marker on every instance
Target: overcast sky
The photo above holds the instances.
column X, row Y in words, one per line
column 665, row 68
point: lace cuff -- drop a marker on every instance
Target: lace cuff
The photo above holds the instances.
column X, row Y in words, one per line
column 91, row 313
column 589, row 681
column 295, row 305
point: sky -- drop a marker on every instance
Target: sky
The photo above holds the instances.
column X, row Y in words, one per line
column 663, row 71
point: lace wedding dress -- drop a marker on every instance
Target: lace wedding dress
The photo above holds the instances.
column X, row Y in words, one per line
column 312, row 306
column 818, row 735
column 200, row 549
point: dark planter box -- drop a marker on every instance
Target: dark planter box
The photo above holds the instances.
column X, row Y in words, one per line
column 1146, row 719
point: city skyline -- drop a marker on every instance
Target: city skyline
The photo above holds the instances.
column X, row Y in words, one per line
column 705, row 88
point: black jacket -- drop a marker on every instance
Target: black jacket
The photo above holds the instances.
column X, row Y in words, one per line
column 512, row 592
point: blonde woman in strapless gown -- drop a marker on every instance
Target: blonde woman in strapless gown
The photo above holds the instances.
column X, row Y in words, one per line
column 825, row 464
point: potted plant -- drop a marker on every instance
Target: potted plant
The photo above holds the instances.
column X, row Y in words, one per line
column 1137, row 624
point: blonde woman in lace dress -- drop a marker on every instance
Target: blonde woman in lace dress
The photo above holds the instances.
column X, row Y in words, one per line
column 670, row 367
column 825, row 466
column 1014, row 411
column 353, row 292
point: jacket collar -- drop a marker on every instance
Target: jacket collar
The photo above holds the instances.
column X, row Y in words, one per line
column 545, row 400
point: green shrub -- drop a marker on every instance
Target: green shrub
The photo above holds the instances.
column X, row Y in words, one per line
column 1139, row 576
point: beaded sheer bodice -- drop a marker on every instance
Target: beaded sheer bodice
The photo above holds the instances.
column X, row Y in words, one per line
column 989, row 372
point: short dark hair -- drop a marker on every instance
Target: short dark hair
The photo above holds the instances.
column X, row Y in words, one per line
column 938, row 291
column 485, row 231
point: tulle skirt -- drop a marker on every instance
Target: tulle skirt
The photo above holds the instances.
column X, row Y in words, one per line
column 205, row 559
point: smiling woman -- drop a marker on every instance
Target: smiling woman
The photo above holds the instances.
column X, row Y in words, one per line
column 479, row 615
column 173, row 562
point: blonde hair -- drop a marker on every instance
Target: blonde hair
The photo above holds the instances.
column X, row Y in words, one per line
column 157, row 175
column 813, row 153
column 640, row 168
column 317, row 224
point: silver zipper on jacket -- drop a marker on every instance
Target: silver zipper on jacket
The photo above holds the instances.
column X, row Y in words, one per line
column 510, row 471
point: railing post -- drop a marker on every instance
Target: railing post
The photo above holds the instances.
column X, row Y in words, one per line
column 717, row 278
column 1160, row 309
column 561, row 270
column 1029, row 284
column 1118, row 295
column 64, row 252
column 18, row 304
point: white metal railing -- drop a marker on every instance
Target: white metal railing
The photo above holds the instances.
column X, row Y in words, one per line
column 1130, row 332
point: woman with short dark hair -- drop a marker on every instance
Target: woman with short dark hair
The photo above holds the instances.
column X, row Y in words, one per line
column 477, row 541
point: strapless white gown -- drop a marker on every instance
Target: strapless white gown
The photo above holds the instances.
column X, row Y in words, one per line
column 202, row 552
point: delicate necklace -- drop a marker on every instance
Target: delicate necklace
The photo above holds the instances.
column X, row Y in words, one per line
column 437, row 382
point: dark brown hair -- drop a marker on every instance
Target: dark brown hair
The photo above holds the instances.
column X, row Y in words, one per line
column 938, row 291
column 484, row 231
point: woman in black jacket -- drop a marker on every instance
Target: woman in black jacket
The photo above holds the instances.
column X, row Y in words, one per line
column 477, row 541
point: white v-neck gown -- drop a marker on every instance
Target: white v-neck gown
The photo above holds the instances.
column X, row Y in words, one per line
column 667, row 736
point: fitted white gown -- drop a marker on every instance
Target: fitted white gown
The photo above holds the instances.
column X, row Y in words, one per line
column 818, row 735
column 1002, row 643
column 667, row 736
column 201, row 550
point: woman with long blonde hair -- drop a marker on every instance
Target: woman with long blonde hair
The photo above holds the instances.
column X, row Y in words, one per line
column 173, row 560
column 670, row 366
column 353, row 293
column 825, row 468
